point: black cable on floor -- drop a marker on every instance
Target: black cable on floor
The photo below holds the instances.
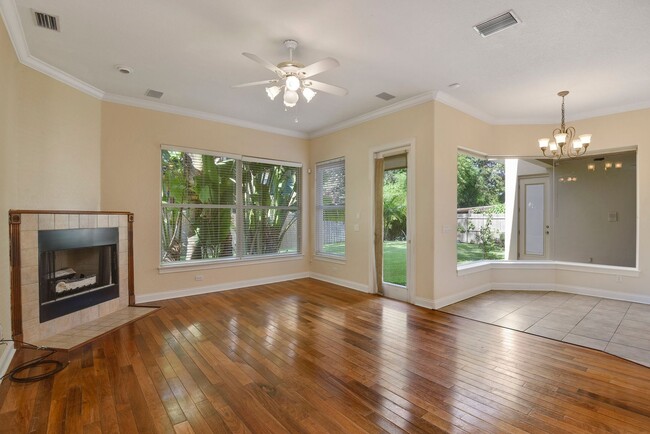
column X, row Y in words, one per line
column 13, row 374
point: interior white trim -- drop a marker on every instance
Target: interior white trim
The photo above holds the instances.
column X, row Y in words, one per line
column 341, row 282
column 11, row 18
column 164, row 295
column 571, row 289
column 449, row 100
column 480, row 266
column 423, row 302
column 197, row 114
column 391, row 108
column 6, row 358
column 14, row 26
column 439, row 303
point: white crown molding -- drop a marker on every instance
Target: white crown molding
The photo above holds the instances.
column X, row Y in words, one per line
column 451, row 101
column 168, row 108
column 11, row 18
column 17, row 36
column 165, row 295
column 392, row 108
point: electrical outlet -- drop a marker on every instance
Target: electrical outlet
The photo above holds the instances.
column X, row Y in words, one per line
column 198, row 277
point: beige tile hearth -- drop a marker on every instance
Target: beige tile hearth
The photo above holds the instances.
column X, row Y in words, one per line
column 76, row 336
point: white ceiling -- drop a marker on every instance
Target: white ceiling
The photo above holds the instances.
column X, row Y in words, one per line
column 191, row 51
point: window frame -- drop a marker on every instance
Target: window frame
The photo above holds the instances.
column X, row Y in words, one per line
column 320, row 208
column 239, row 257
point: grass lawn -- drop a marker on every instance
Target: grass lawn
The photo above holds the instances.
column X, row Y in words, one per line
column 467, row 252
column 395, row 257
column 394, row 260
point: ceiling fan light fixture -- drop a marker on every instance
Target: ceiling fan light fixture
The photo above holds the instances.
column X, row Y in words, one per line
column 290, row 97
column 308, row 94
column 272, row 92
column 293, row 83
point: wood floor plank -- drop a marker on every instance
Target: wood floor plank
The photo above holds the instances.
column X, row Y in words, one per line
column 308, row 356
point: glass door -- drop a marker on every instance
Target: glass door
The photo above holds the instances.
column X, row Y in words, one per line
column 391, row 225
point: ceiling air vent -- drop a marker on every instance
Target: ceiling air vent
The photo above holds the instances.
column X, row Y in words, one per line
column 46, row 21
column 496, row 24
column 153, row 93
column 385, row 96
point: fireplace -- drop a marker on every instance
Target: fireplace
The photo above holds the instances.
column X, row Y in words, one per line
column 77, row 269
column 68, row 268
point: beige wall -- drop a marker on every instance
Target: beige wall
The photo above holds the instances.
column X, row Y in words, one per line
column 130, row 167
column 62, row 149
column 49, row 150
column 356, row 145
column 609, row 132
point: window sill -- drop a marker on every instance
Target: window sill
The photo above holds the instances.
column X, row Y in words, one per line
column 480, row 266
column 175, row 267
column 330, row 258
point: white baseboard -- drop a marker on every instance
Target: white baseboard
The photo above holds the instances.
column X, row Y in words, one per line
column 423, row 302
column 341, row 282
column 523, row 286
column 581, row 290
column 147, row 298
column 6, row 357
column 455, row 298
column 604, row 293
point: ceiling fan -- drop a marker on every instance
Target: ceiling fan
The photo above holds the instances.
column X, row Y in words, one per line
column 294, row 77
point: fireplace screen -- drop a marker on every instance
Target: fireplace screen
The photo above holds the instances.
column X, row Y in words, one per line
column 77, row 269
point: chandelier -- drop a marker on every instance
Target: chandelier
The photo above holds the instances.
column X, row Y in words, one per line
column 565, row 143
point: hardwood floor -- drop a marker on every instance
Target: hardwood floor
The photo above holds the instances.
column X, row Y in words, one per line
column 307, row 356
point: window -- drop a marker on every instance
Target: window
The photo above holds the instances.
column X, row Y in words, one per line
column 480, row 209
column 330, row 208
column 223, row 207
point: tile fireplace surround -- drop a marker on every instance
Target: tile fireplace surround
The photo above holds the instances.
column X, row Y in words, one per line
column 24, row 226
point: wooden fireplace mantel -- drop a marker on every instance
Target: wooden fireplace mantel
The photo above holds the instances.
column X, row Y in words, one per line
column 15, row 260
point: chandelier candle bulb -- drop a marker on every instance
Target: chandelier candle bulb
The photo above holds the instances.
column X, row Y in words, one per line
column 553, row 147
column 577, row 144
column 585, row 139
column 543, row 143
column 560, row 139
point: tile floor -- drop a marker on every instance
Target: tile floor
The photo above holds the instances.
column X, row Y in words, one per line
column 78, row 335
column 616, row 327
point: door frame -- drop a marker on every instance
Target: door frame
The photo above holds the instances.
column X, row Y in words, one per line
column 548, row 215
column 387, row 150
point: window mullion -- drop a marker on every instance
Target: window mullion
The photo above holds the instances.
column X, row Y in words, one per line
column 239, row 214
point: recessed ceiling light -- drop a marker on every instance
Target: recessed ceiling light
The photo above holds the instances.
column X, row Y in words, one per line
column 123, row 69
column 454, row 85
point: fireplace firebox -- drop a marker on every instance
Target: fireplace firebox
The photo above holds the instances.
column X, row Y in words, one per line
column 78, row 268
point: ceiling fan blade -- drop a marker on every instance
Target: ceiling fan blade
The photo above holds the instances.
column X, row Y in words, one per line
column 265, row 63
column 318, row 67
column 255, row 83
column 327, row 88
